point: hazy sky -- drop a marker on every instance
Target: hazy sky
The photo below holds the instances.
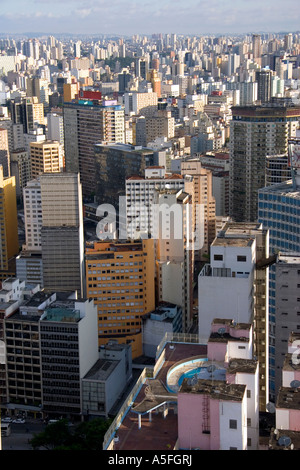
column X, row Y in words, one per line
column 127, row 17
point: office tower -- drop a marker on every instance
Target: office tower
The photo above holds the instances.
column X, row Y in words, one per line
column 255, row 132
column 235, row 284
column 124, row 79
column 62, row 232
column 45, row 157
column 20, row 167
column 4, row 152
column 287, row 307
column 140, row 199
column 279, row 212
column 174, row 251
column 120, row 279
column 141, row 67
column 72, row 326
column 85, row 124
column 28, row 112
column 113, row 165
column 277, row 169
column 205, row 219
column 264, row 79
column 256, row 47
column 9, row 226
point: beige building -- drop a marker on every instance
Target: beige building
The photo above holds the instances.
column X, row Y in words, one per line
column 4, row 152
column 174, row 252
column 120, row 279
column 204, row 204
column 45, row 157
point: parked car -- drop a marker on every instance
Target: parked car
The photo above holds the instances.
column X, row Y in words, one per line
column 6, row 419
column 19, row 421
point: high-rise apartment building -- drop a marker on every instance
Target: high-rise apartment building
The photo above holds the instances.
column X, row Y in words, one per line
column 143, row 103
column 140, row 199
column 255, row 132
column 287, row 305
column 45, row 157
column 120, row 279
column 86, row 123
column 175, row 251
column 62, row 232
column 9, row 226
column 279, row 212
column 202, row 197
column 20, row 168
column 33, row 215
column 235, row 283
column 113, row 164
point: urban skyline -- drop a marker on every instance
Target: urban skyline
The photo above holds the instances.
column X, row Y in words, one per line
column 126, row 18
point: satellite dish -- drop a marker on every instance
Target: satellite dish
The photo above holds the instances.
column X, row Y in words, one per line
column 221, row 331
column 284, row 441
column 295, row 384
column 271, row 407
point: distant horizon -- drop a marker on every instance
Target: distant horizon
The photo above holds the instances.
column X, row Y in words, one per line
column 129, row 17
column 39, row 34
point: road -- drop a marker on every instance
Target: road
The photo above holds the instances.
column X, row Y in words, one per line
column 21, row 434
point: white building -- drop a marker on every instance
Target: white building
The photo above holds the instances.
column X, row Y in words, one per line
column 33, row 215
column 140, row 197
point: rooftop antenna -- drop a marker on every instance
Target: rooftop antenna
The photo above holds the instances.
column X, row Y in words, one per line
column 270, row 407
column 284, row 441
column 295, row 384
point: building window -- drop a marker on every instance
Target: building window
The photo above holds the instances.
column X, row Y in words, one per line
column 218, row 257
column 232, row 424
column 241, row 258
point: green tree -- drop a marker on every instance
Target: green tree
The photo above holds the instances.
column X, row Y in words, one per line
column 84, row 436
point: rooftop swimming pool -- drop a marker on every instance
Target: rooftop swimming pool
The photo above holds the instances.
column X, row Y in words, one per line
column 194, row 370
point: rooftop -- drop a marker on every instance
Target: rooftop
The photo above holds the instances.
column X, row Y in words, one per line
column 101, row 369
column 288, row 397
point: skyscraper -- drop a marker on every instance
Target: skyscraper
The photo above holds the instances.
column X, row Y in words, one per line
column 62, row 232
column 279, row 212
column 9, row 245
column 264, row 79
column 86, row 123
column 255, row 132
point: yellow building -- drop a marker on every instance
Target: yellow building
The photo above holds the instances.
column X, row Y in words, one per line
column 120, row 279
column 45, row 157
column 8, row 226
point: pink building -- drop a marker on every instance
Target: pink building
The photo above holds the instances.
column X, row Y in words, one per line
column 286, row 434
column 222, row 414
